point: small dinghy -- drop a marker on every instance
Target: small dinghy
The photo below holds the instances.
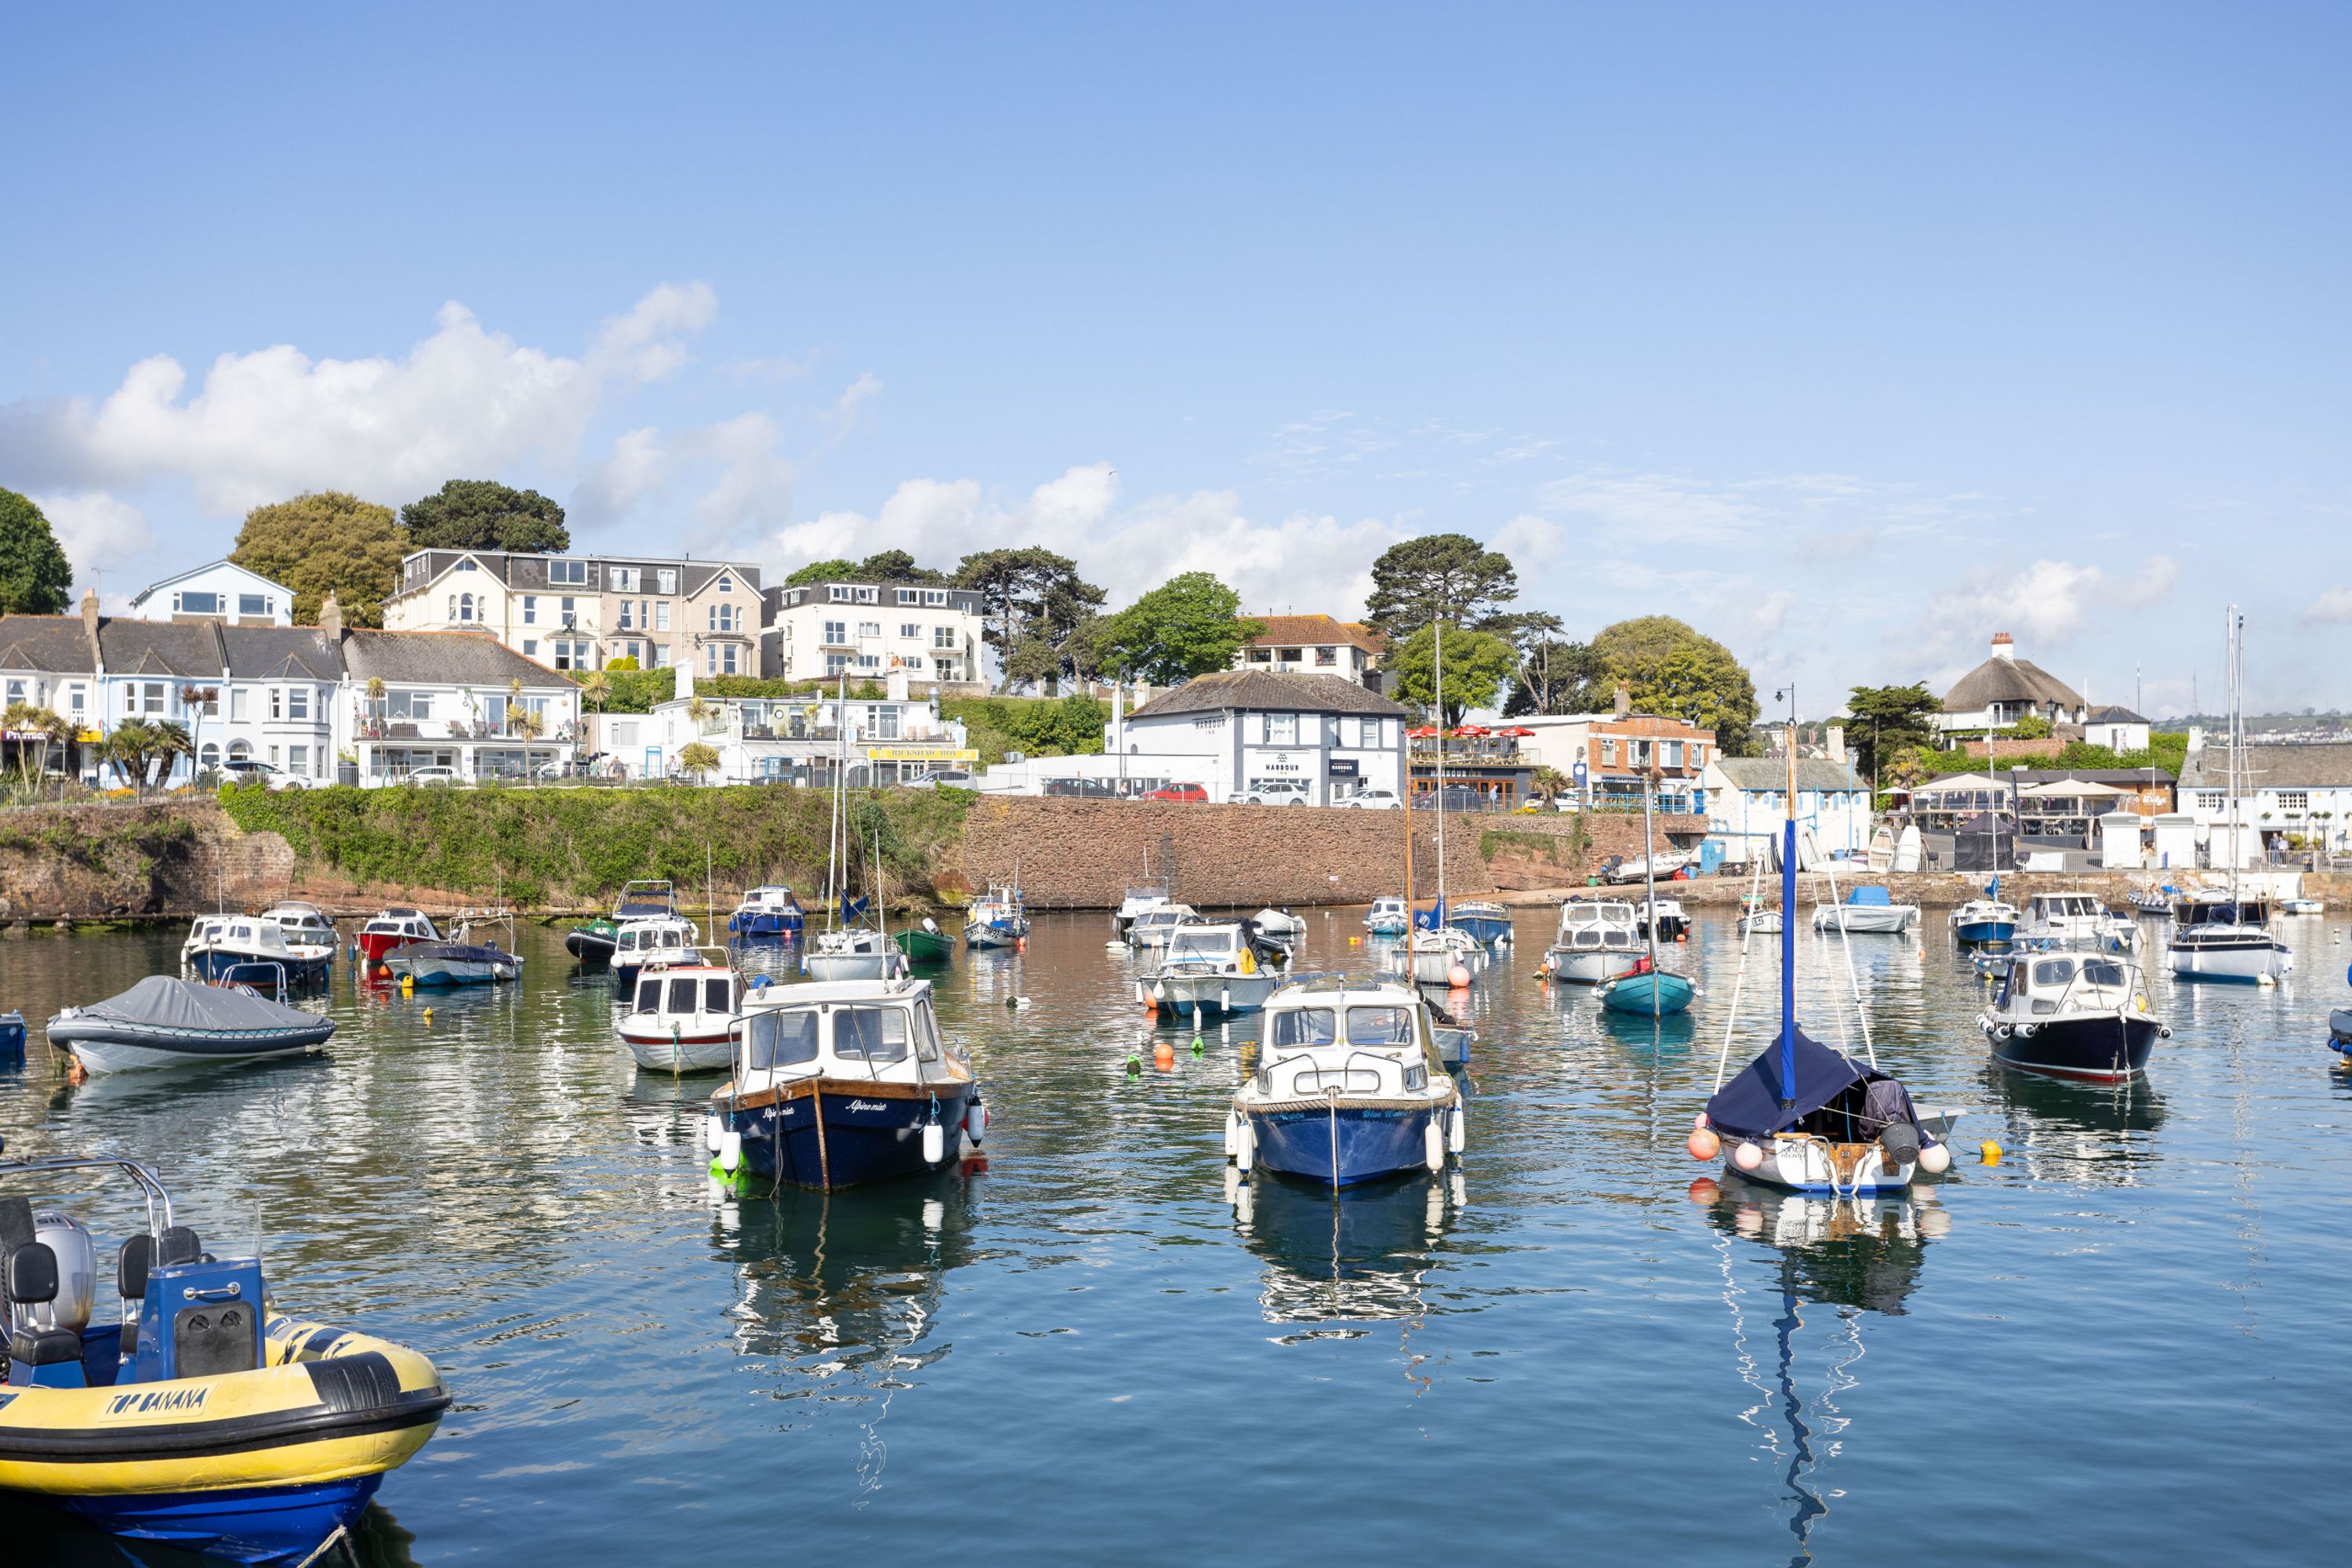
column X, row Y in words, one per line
column 203, row 1418
column 593, row 942
column 2065, row 1015
column 1649, row 988
column 925, row 943
column 838, row 1084
column 1281, row 926
column 680, row 1015
column 1215, row 969
column 1348, row 1089
column 165, row 1021
column 1868, row 908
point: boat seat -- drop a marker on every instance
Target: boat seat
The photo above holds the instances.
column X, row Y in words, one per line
column 179, row 1244
column 32, row 1273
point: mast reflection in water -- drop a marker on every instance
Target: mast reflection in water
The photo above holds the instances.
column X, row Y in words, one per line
column 1852, row 1256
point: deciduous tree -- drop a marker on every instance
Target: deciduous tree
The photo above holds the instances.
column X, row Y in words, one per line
column 1188, row 626
column 1476, row 665
column 326, row 540
column 1673, row 670
column 35, row 577
column 483, row 514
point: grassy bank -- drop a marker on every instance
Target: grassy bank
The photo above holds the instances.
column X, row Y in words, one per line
column 577, row 846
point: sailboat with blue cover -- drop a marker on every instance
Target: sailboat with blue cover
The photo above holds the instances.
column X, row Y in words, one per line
column 1649, row 989
column 1803, row 1115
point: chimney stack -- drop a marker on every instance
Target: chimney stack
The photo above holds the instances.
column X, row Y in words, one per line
column 1624, row 699
column 330, row 615
column 90, row 611
column 2003, row 645
column 1836, row 743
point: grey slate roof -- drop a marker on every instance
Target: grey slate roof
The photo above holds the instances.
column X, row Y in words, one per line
column 2111, row 714
column 51, row 644
column 530, row 571
column 2319, row 766
column 282, row 652
column 1263, row 691
column 2007, row 680
column 1751, row 774
column 456, row 658
column 170, row 649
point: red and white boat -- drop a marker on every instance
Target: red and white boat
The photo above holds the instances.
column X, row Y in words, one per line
column 681, row 1017
column 394, row 927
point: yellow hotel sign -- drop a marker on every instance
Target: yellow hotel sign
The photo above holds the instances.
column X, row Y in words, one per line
column 922, row 755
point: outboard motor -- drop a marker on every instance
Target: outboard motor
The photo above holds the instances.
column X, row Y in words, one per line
column 77, row 1255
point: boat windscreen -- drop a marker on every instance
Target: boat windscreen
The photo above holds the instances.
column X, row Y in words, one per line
column 681, row 994
column 1380, row 1025
column 877, row 1036
column 1202, row 944
column 781, row 1036
column 649, row 995
column 1295, row 1026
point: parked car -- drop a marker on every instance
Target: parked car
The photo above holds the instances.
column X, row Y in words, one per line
column 1192, row 791
column 954, row 778
column 1083, row 789
column 1372, row 800
column 1278, row 792
column 434, row 778
column 247, row 770
column 1458, row 797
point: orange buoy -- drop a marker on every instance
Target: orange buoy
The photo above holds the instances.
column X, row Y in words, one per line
column 1458, row 978
column 1164, row 1055
column 1704, row 1143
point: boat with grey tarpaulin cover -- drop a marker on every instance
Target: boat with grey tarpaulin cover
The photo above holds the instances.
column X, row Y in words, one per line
column 165, row 1021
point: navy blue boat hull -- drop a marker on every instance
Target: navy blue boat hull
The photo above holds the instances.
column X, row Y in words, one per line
column 1371, row 1143
column 1986, row 931
column 764, row 927
column 213, row 964
column 253, row 1525
column 2097, row 1050
column 864, row 1139
column 1486, row 929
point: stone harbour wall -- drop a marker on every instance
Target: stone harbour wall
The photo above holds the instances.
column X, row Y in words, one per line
column 135, row 862
column 1563, row 849
column 1085, row 854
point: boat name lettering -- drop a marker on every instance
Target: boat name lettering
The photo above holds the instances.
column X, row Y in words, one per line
column 867, row 1105
column 160, row 1399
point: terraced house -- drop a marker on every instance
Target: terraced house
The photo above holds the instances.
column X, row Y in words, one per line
column 583, row 612
column 927, row 631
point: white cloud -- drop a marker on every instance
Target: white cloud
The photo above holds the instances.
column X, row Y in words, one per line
column 2045, row 605
column 98, row 534
column 2332, row 608
column 756, row 479
column 1838, row 544
column 1657, row 508
column 637, row 467
column 464, row 401
column 842, row 419
column 1528, row 540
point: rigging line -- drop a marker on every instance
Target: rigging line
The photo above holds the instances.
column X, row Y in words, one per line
column 1739, row 979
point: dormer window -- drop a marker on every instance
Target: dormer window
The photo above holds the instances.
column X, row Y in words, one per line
column 669, row 576
column 726, row 583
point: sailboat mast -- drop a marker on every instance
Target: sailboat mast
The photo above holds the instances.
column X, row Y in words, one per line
column 1650, row 881
column 1437, row 651
column 1789, row 922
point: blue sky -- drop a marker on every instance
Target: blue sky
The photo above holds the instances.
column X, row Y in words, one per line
column 1849, row 334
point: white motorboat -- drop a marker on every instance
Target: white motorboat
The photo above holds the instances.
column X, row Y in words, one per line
column 1211, row 968
column 1640, row 868
column 1984, row 920
column 393, row 927
column 655, row 939
column 1150, row 930
column 252, row 948
column 304, row 923
column 1867, row 908
column 1138, row 900
column 859, row 952
column 2077, row 916
column 1389, row 916
column 2072, row 1016
column 768, row 913
column 680, row 1016
column 1349, row 1088
column 2302, row 907
column 1599, row 939
column 1666, row 914
column 1755, row 916
column 1281, row 926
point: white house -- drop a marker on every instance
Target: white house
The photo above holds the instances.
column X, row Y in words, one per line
column 925, row 631
column 1748, row 802
column 802, row 739
column 2005, row 688
column 221, row 590
column 2304, row 791
column 2117, row 729
column 1233, row 732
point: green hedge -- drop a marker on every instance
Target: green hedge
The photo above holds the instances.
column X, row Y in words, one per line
column 575, row 847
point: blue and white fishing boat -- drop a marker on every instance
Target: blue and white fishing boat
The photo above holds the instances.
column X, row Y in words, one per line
column 1985, row 920
column 667, row 939
column 466, row 957
column 999, row 918
column 220, row 943
column 1484, row 923
column 770, row 913
column 1804, row 1117
column 1388, row 917
column 1348, row 1088
column 836, row 1084
column 2081, row 1016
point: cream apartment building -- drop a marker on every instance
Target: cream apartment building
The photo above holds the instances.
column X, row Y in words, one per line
column 583, row 612
column 868, row 629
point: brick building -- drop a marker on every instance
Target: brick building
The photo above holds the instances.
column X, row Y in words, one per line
column 1616, row 749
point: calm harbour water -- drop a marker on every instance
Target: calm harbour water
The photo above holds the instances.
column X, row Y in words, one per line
column 2123, row 1343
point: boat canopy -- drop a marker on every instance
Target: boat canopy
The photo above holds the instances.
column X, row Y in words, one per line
column 1750, row 1105
column 1870, row 898
column 166, row 1002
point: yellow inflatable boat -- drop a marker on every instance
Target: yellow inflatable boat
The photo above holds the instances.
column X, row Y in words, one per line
column 201, row 1417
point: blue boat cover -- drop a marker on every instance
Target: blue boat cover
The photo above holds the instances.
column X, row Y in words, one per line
column 1876, row 896
column 1750, row 1105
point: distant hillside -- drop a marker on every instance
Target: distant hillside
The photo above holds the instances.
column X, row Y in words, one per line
column 2309, row 719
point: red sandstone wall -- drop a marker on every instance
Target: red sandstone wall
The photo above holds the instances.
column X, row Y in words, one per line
column 1085, row 854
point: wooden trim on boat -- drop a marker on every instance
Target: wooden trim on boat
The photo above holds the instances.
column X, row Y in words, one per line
column 854, row 1088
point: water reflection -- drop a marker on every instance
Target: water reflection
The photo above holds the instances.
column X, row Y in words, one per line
column 1359, row 1256
column 839, row 1293
column 2078, row 1132
column 1850, row 1258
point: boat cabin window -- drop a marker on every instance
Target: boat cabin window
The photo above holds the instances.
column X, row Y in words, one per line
column 2053, row 972
column 783, row 1037
column 875, row 1035
column 649, row 995
column 628, row 941
column 1202, row 944
column 718, row 994
column 926, row 1036
column 2103, row 973
column 681, row 994
column 1380, row 1025
column 1305, row 1027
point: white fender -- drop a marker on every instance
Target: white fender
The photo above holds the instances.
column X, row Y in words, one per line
column 1245, row 1147
column 714, row 1133
column 1232, row 1141
column 1226, row 999
column 1433, row 1145
column 1456, row 1128
column 935, row 1142
column 730, row 1150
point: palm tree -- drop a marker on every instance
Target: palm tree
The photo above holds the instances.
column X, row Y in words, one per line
column 697, row 760
column 65, row 734
column 127, row 750
column 194, row 700
column 21, row 718
column 598, row 689
column 172, row 742
column 1550, row 783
